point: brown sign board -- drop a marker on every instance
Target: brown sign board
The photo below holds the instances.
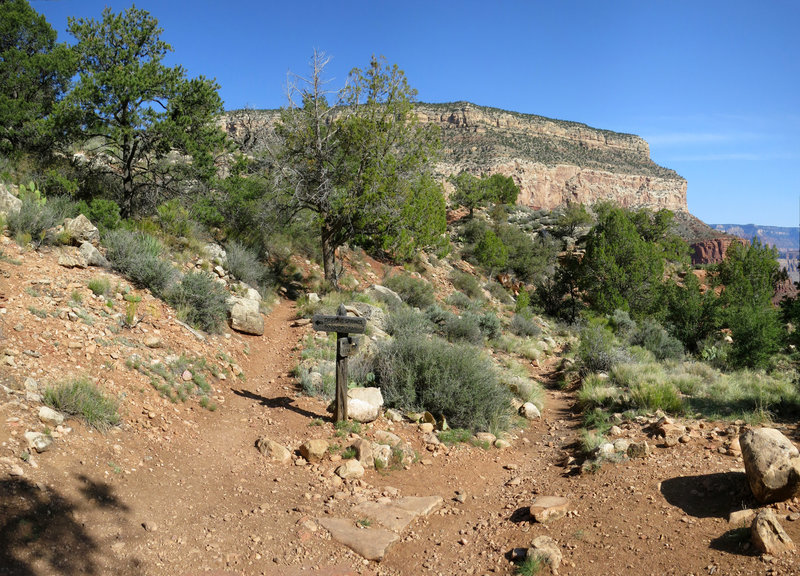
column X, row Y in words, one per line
column 341, row 324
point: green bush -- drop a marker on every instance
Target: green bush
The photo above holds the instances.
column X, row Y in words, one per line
column 465, row 327
column 490, row 252
column 100, row 286
column 652, row 395
column 489, row 324
column 409, row 321
column 459, row 300
column 83, row 399
column 102, row 212
column 652, row 336
column 200, row 301
column 522, row 325
column 467, row 283
column 454, row 381
column 597, row 350
column 243, row 263
column 414, row 292
column 35, row 217
column 138, row 256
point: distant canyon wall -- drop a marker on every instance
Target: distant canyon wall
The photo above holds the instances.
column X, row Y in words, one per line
column 552, row 161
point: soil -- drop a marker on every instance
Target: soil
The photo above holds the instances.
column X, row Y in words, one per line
column 178, row 489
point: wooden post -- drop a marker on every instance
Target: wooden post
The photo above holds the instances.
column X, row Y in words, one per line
column 343, row 325
column 342, row 352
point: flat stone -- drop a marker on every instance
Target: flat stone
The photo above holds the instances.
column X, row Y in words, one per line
column 387, row 515
column 547, row 508
column 388, row 438
column 420, row 505
column 741, row 517
column 370, row 543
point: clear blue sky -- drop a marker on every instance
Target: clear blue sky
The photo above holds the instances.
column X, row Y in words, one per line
column 713, row 86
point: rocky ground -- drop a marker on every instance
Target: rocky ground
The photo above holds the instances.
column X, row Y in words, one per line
column 180, row 489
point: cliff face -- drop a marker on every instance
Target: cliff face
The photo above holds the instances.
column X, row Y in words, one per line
column 552, row 161
column 712, row 251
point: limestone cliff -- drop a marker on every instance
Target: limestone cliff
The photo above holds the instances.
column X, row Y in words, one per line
column 552, row 161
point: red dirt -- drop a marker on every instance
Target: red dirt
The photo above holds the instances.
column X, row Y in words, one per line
column 181, row 490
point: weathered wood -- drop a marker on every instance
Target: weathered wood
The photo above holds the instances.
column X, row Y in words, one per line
column 341, row 378
column 339, row 324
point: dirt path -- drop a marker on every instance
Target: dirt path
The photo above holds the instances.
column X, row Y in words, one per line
column 202, row 500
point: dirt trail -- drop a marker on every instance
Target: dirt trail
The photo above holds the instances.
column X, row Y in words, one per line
column 202, row 500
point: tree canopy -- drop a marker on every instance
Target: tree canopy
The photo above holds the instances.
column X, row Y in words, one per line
column 361, row 164
column 133, row 110
column 472, row 192
column 35, row 72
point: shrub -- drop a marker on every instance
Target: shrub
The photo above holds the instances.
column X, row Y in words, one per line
column 82, row 398
column 201, row 301
column 467, row 283
column 102, row 212
column 409, row 321
column 597, row 351
column 34, row 218
column 656, row 394
column 598, row 392
column 138, row 256
column 490, row 251
column 175, row 219
column 414, row 292
column 437, row 314
column 100, row 286
column 522, row 325
column 465, row 327
column 243, row 263
column 489, row 324
column 459, row 300
column 622, row 323
column 652, row 336
column 498, row 292
column 454, row 381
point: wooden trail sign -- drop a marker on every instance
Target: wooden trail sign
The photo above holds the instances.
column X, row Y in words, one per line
column 343, row 325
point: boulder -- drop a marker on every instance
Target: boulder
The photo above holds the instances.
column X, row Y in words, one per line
column 314, row 450
column 9, row 203
column 384, row 294
column 68, row 258
column 93, row 256
column 273, row 451
column 245, row 315
column 374, row 315
column 363, row 450
column 768, row 535
column 772, row 464
column 215, row 253
column 364, row 404
column 80, row 230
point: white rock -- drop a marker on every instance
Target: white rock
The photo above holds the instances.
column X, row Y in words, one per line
column 530, row 411
column 50, row 416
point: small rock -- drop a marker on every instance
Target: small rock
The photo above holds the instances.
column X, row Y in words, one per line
column 38, row 441
column 314, row 450
column 426, row 427
column 485, row 437
column 150, row 526
column 273, row 451
column 546, row 549
column 363, row 450
column 153, row 342
column 502, row 444
column 50, row 416
column 529, row 411
column 186, row 376
column 350, row 469
column 615, row 431
column 388, row 438
column 768, row 535
column 16, row 470
column 741, row 517
column 393, row 415
column 639, row 450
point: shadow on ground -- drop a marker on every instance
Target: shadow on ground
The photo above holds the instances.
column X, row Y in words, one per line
column 708, row 495
column 40, row 534
column 278, row 402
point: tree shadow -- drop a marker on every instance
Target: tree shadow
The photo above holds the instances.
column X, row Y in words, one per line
column 39, row 533
column 278, row 402
column 708, row 495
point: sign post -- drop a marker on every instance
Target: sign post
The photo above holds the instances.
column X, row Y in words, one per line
column 343, row 325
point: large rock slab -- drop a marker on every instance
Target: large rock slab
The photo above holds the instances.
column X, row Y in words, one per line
column 768, row 535
column 364, row 404
column 245, row 316
column 772, row 464
column 371, row 543
column 384, row 294
column 398, row 514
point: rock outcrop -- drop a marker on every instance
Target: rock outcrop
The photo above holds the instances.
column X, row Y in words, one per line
column 712, row 251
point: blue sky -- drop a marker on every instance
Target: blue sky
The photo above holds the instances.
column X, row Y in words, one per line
column 713, row 86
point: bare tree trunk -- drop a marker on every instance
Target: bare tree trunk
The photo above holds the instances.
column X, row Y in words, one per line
column 329, row 258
